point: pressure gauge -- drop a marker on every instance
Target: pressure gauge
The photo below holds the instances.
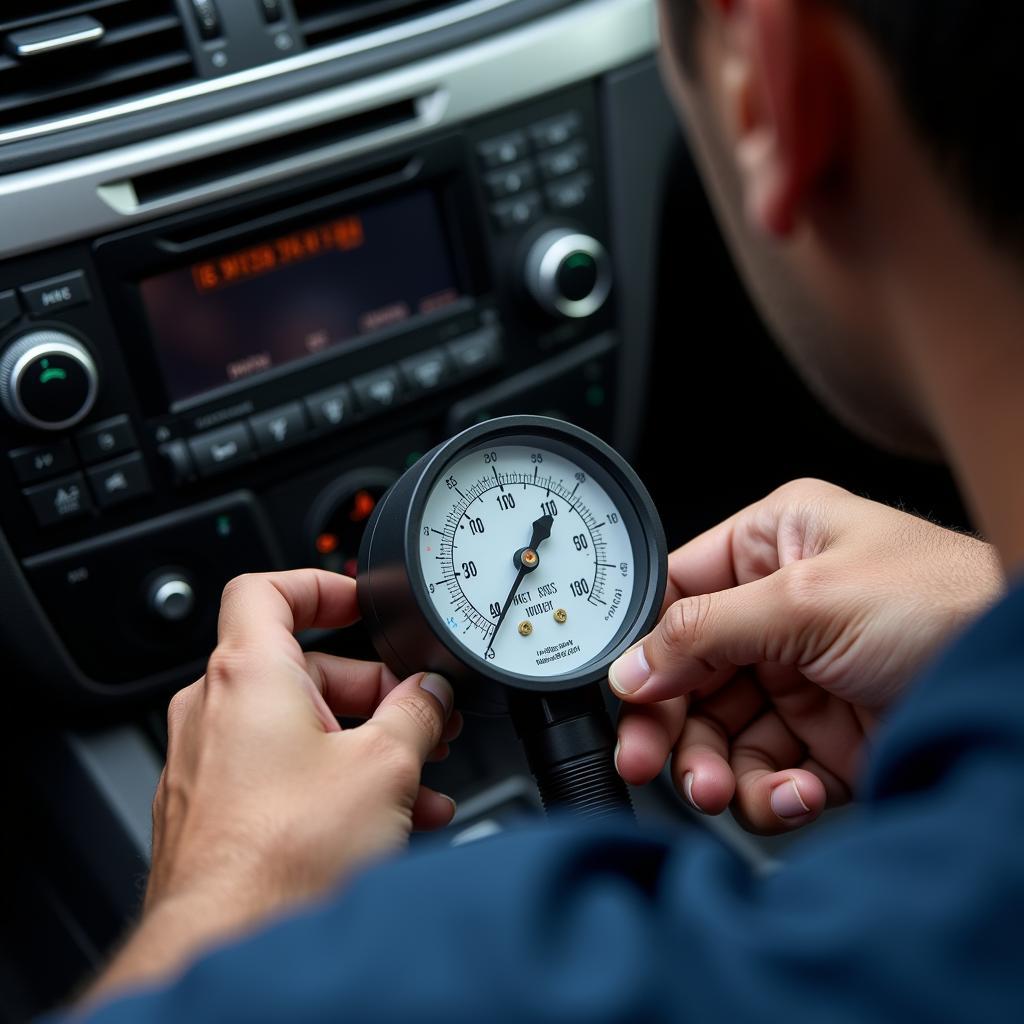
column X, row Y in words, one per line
column 519, row 559
column 524, row 551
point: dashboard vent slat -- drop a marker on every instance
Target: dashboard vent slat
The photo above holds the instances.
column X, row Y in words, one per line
column 326, row 21
column 143, row 49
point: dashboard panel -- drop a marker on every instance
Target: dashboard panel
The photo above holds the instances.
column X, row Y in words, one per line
column 202, row 333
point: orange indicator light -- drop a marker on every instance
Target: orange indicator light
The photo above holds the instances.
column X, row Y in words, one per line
column 362, row 505
column 326, row 543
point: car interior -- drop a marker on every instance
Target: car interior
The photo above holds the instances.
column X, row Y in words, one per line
column 256, row 258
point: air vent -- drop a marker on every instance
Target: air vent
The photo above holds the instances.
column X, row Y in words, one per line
column 63, row 58
column 326, row 21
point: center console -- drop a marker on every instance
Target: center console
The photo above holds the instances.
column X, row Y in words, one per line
column 229, row 385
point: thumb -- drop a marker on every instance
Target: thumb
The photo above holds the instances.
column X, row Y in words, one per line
column 701, row 641
column 415, row 712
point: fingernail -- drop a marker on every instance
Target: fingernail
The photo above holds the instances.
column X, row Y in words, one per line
column 787, row 802
column 439, row 688
column 688, row 789
column 630, row 672
column 615, row 756
column 455, row 806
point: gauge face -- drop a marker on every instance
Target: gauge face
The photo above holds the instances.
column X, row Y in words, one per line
column 527, row 556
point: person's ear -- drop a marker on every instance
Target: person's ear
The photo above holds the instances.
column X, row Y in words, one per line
column 780, row 86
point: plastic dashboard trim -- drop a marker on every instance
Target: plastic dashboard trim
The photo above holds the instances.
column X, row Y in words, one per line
column 62, row 202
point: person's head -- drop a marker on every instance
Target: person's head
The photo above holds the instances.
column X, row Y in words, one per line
column 840, row 139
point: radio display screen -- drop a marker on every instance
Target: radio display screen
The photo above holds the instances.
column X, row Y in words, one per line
column 246, row 312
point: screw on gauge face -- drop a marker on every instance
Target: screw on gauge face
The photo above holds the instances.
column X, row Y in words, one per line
column 525, row 628
column 529, row 558
column 560, row 615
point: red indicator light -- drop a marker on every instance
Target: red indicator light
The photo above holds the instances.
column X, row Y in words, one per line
column 326, row 543
column 363, row 504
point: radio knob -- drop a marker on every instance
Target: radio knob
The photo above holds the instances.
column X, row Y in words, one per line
column 48, row 380
column 568, row 273
column 171, row 597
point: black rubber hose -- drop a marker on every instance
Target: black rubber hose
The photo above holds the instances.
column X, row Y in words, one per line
column 570, row 742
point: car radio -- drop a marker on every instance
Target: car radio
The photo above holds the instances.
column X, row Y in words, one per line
column 231, row 387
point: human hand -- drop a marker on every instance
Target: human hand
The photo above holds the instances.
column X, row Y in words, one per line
column 265, row 801
column 788, row 630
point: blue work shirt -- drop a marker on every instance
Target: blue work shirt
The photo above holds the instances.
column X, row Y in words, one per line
column 911, row 908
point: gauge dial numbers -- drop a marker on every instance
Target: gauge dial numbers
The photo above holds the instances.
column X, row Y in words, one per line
column 527, row 556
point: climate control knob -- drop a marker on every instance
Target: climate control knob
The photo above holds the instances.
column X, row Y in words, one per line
column 48, row 380
column 568, row 273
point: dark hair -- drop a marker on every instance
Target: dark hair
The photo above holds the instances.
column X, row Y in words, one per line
column 959, row 67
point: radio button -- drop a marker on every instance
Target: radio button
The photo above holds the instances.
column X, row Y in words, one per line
column 220, row 450
column 570, row 192
column 560, row 162
column 510, row 181
column 380, row 391
column 59, row 500
column 519, row 212
column 56, row 293
column 178, row 460
column 556, row 131
column 279, row 427
column 10, row 308
column 427, row 371
column 103, row 440
column 121, row 480
column 478, row 352
column 41, row 461
column 506, row 149
column 332, row 407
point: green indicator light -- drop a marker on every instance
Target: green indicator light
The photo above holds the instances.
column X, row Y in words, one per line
column 595, row 395
column 579, row 259
column 223, row 526
column 45, row 363
column 52, row 374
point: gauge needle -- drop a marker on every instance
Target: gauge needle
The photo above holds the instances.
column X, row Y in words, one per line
column 526, row 560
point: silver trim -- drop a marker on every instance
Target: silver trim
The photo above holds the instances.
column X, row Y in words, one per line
column 311, row 58
column 30, row 347
column 86, row 197
column 545, row 259
column 85, row 35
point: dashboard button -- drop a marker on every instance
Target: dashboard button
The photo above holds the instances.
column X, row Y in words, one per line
column 506, row 149
column 556, row 131
column 272, row 11
column 60, row 500
column 179, row 461
column 427, row 371
column 560, row 162
column 220, row 450
column 569, row 193
column 103, row 440
column 207, row 18
column 171, row 597
column 121, row 480
column 10, row 308
column 476, row 353
column 510, row 181
column 279, row 427
column 332, row 407
column 380, row 391
column 519, row 212
column 56, row 293
column 41, row 461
